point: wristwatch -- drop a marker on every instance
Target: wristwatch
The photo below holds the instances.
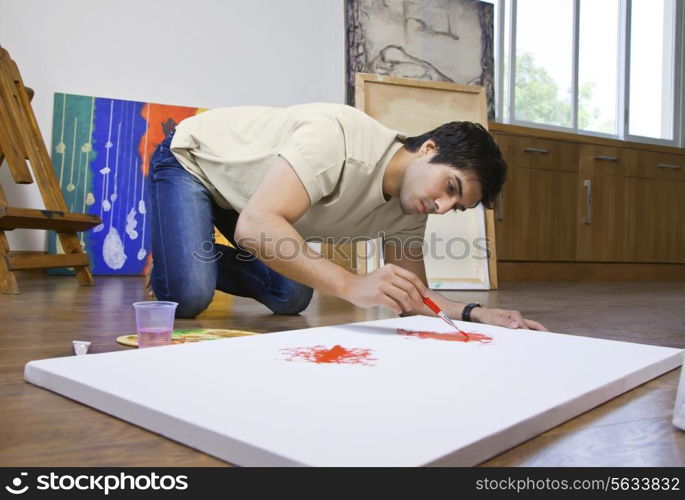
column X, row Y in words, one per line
column 466, row 313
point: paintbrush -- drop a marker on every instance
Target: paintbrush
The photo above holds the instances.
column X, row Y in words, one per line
column 436, row 309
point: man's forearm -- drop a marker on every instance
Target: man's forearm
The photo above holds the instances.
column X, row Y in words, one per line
column 278, row 245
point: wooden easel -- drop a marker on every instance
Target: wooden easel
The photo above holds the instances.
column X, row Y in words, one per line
column 21, row 140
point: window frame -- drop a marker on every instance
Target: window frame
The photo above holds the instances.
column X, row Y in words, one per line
column 505, row 19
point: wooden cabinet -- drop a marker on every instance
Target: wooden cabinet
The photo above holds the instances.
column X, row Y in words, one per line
column 572, row 198
column 601, row 214
column 601, row 228
column 539, row 154
column 655, row 209
column 536, row 215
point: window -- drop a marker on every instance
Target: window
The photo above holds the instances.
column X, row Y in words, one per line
column 598, row 63
column 600, row 67
column 543, row 84
column 651, row 68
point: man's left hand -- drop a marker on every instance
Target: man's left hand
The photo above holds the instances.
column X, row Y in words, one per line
column 505, row 318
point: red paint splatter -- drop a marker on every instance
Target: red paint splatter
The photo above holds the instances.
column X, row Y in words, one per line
column 451, row 337
column 336, row 354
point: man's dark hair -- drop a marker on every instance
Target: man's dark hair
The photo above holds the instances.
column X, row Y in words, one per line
column 467, row 146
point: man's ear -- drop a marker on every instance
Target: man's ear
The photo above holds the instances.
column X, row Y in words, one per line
column 428, row 147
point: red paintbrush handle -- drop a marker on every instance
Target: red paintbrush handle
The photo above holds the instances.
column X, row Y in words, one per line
column 433, row 306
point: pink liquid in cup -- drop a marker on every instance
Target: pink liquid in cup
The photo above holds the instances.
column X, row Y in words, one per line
column 153, row 337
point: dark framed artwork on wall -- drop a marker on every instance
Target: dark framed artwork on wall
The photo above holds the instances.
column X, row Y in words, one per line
column 438, row 40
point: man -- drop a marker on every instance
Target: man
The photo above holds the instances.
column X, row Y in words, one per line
column 268, row 178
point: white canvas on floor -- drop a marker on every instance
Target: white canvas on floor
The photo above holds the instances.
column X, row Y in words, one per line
column 421, row 402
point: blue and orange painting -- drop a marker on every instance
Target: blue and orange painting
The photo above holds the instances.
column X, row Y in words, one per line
column 100, row 152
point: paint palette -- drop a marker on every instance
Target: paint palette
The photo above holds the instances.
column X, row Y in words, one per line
column 291, row 398
column 189, row 335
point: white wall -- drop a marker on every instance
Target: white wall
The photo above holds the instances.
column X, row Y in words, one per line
column 205, row 53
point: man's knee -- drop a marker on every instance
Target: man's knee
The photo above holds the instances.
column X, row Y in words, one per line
column 190, row 302
column 295, row 303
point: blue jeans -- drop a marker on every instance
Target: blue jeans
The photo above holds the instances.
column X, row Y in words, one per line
column 188, row 264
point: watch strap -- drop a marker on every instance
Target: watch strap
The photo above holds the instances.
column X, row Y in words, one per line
column 466, row 313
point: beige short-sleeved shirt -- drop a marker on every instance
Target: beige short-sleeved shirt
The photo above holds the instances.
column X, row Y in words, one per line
column 339, row 153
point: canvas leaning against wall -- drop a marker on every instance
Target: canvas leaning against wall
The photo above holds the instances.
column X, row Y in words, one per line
column 100, row 152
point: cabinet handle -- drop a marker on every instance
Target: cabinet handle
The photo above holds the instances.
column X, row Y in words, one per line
column 499, row 206
column 606, row 158
column 536, row 150
column 670, row 167
column 587, row 216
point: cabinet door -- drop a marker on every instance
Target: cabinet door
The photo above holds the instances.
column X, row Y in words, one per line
column 655, row 212
column 602, row 223
column 602, row 227
column 536, row 219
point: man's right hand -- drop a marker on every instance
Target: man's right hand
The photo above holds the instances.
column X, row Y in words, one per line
column 391, row 286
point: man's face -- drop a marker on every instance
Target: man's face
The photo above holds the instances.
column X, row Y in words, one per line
column 437, row 188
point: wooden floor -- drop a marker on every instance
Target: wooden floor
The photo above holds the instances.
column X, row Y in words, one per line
column 40, row 428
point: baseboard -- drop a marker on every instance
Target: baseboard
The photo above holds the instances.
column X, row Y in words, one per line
column 589, row 271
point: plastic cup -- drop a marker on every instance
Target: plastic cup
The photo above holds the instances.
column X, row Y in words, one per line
column 154, row 322
column 81, row 347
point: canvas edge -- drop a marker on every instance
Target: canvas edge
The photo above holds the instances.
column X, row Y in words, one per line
column 167, row 426
column 510, row 437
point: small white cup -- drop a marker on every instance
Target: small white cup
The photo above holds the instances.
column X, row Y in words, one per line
column 81, row 347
